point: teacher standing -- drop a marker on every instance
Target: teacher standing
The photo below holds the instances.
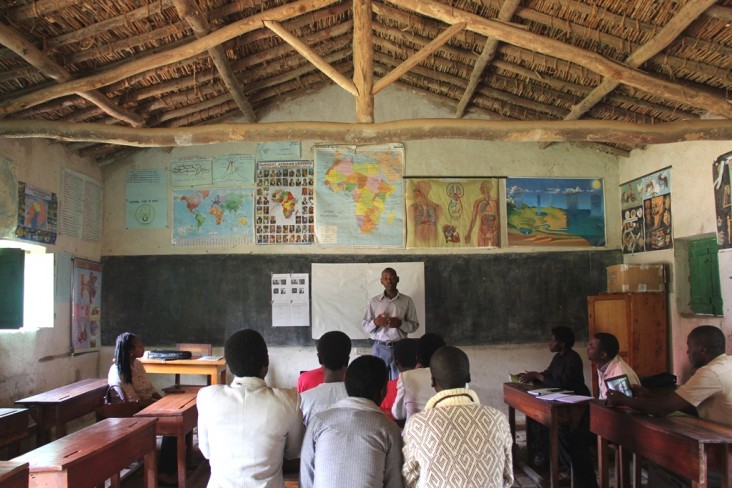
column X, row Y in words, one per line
column 389, row 317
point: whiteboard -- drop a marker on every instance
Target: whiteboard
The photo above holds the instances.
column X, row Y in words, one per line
column 341, row 293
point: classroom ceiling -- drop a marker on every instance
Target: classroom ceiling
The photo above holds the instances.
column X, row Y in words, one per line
column 173, row 64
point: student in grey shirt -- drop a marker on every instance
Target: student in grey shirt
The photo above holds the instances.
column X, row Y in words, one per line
column 353, row 443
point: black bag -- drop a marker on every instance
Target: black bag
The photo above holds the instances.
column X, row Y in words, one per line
column 115, row 406
column 168, row 354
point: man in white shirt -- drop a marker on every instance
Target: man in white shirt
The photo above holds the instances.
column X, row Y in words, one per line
column 603, row 351
column 334, row 348
column 247, row 430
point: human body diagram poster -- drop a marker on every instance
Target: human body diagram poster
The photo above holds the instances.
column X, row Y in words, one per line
column 449, row 212
column 290, row 300
column 360, row 195
column 86, row 305
column 646, row 213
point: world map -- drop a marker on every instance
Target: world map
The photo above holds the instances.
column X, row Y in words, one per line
column 212, row 216
column 360, row 195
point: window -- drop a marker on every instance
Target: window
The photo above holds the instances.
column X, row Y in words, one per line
column 12, row 262
column 706, row 295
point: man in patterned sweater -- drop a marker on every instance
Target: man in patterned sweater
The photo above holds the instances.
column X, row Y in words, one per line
column 455, row 432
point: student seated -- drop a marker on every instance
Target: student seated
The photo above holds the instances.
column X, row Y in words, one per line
column 405, row 357
column 709, row 390
column 566, row 372
column 414, row 388
column 456, row 442
column 246, row 429
column 353, row 444
column 128, row 382
column 603, row 351
column 334, row 349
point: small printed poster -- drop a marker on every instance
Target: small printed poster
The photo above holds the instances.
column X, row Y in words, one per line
column 284, row 206
column 146, row 199
column 37, row 214
column 646, row 213
column 290, row 300
column 86, row 305
column 723, row 200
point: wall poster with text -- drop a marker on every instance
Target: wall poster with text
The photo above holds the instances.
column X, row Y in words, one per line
column 37, row 214
column 723, row 200
column 86, row 305
column 646, row 213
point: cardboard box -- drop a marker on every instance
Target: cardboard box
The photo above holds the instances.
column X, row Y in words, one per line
column 625, row 278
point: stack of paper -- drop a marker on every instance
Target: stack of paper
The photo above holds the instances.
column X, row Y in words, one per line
column 565, row 397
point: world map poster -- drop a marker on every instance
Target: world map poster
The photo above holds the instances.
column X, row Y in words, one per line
column 452, row 212
column 213, row 216
column 360, row 195
column 564, row 212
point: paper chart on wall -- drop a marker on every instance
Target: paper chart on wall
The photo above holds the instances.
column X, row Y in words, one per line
column 290, row 300
column 80, row 212
column 146, row 195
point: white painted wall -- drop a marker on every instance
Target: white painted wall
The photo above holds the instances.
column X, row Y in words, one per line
column 694, row 215
column 36, row 361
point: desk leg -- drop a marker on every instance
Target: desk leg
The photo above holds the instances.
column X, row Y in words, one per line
column 603, row 460
column 623, row 467
column 726, row 478
column 512, row 426
column 180, row 446
column 554, row 461
column 151, row 469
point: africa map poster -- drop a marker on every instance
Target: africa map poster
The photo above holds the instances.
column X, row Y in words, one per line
column 360, row 195
column 284, row 209
column 453, row 212
column 213, row 217
column 555, row 212
column 86, row 305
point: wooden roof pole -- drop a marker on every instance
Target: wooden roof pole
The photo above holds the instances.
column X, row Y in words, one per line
column 592, row 61
column 30, row 53
column 489, row 51
column 363, row 60
column 678, row 24
column 190, row 12
column 417, row 58
column 163, row 58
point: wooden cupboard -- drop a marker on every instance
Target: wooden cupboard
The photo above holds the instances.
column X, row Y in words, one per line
column 640, row 322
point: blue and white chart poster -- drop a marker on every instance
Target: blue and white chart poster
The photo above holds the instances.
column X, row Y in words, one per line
column 234, row 170
column 146, row 195
column 278, row 151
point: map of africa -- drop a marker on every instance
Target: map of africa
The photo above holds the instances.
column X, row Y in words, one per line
column 360, row 196
column 287, row 200
column 212, row 216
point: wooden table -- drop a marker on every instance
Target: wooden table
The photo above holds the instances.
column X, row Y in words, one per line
column 88, row 457
column 549, row 413
column 13, row 428
column 13, row 474
column 682, row 444
column 56, row 407
column 215, row 370
column 177, row 415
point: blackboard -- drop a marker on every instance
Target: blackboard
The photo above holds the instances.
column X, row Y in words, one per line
column 495, row 298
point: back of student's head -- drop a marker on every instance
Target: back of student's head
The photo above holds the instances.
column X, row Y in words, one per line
column 450, row 368
column 405, row 353
column 246, row 353
column 710, row 337
column 608, row 344
column 334, row 347
column 564, row 335
column 426, row 347
column 123, row 345
column 366, row 377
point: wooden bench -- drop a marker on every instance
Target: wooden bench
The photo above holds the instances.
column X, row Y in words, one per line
column 177, row 415
column 88, row 457
column 13, row 474
column 56, row 407
column 13, row 429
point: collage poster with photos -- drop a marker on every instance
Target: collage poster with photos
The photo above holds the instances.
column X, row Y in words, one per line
column 284, row 202
column 646, row 213
column 723, row 200
column 290, row 300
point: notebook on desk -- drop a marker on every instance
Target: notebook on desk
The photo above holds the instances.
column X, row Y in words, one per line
column 621, row 384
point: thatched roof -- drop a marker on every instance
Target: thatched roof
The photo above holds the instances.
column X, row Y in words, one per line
column 185, row 63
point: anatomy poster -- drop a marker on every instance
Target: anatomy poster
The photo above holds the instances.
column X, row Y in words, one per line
column 86, row 305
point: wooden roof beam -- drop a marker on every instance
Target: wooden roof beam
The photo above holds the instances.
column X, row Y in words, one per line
column 50, row 68
column 489, row 51
column 363, row 60
column 189, row 11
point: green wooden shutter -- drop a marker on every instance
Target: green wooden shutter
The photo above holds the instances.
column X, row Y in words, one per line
column 706, row 295
column 12, row 262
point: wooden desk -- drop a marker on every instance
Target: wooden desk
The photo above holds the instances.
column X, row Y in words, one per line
column 90, row 456
column 177, row 415
column 13, row 429
column 56, row 407
column 684, row 445
column 215, row 370
column 548, row 413
column 13, row 474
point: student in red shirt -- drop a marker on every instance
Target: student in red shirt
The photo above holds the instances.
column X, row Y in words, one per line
column 405, row 356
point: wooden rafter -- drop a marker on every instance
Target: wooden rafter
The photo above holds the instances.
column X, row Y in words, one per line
column 50, row 68
column 363, row 60
column 590, row 60
column 190, row 12
column 489, row 51
column 400, row 130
